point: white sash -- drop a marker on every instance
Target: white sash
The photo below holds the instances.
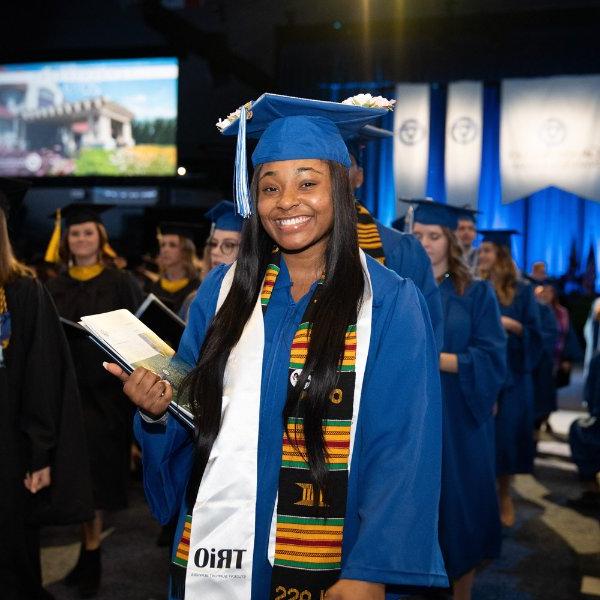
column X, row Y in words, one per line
column 223, row 520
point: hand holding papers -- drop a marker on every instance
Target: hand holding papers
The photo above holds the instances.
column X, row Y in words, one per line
column 132, row 345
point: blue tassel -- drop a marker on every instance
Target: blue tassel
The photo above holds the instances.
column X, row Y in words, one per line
column 242, row 189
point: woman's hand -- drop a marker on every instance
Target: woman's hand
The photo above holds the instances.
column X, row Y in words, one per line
column 512, row 325
column 37, row 480
column 448, row 362
column 351, row 589
column 144, row 388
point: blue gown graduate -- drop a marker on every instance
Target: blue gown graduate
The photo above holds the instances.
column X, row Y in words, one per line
column 470, row 530
column 390, row 532
column 515, row 418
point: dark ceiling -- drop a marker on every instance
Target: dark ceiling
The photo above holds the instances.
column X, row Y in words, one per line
column 232, row 50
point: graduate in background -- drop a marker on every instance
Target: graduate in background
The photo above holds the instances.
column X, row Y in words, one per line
column 317, row 423
column 543, row 375
column 515, row 446
column 398, row 251
column 44, row 473
column 86, row 286
column 223, row 243
column 473, row 369
column 178, row 265
column 584, row 439
column 466, row 234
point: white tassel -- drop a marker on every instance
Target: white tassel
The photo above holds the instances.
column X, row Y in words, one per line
column 241, row 187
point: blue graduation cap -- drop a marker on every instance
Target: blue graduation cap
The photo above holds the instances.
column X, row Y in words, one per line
column 358, row 141
column 429, row 212
column 223, row 216
column 290, row 128
column 500, row 237
column 399, row 224
column 467, row 213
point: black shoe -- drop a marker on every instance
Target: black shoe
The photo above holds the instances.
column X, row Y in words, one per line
column 587, row 501
column 89, row 576
column 72, row 577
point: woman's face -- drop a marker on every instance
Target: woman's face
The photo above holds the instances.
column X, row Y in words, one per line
column 223, row 247
column 486, row 258
column 83, row 240
column 170, row 254
column 295, row 204
column 434, row 242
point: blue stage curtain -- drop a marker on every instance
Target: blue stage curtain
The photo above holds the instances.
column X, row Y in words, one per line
column 549, row 221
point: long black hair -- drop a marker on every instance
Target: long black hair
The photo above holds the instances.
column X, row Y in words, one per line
column 337, row 308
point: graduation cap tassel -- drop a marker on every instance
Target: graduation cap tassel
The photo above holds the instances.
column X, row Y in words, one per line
column 242, row 188
column 52, row 252
column 409, row 220
column 108, row 250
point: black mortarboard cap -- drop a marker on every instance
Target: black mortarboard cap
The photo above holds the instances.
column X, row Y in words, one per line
column 80, row 212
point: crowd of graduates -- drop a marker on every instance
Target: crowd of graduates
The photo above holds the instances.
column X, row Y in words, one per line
column 460, row 376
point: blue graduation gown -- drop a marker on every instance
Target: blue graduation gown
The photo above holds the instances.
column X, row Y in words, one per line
column 515, row 419
column 405, row 255
column 584, row 434
column 543, row 374
column 390, row 532
column 470, row 530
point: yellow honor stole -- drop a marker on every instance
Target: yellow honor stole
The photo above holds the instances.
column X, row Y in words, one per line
column 173, row 285
column 85, row 273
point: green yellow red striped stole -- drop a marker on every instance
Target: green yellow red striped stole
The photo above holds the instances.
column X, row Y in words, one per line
column 369, row 239
column 308, row 536
column 182, row 551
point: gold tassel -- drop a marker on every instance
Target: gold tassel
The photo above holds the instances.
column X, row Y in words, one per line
column 108, row 250
column 52, row 252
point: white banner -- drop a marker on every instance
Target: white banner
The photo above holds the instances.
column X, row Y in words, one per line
column 411, row 141
column 464, row 127
column 550, row 136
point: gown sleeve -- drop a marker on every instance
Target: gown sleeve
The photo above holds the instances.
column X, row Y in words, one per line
column 408, row 259
column 482, row 366
column 531, row 342
column 41, row 394
column 50, row 416
column 399, row 437
column 167, row 449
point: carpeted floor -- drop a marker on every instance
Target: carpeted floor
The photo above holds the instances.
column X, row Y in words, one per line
column 552, row 553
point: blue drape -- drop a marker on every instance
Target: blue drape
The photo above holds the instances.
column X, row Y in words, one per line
column 550, row 221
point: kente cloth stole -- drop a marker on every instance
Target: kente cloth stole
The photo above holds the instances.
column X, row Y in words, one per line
column 5, row 325
column 308, row 542
column 369, row 239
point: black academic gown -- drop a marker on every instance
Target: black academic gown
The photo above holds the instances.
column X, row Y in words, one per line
column 107, row 411
column 174, row 300
column 40, row 425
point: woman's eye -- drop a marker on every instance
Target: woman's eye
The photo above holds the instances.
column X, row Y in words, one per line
column 269, row 189
column 307, row 184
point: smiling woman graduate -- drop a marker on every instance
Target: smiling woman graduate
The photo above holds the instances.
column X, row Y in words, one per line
column 314, row 471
